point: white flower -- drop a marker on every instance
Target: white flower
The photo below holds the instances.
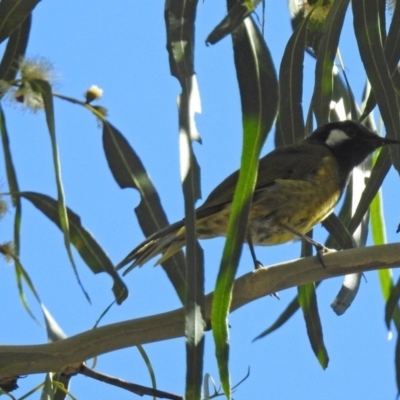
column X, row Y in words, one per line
column 30, row 69
column 28, row 97
column 36, row 68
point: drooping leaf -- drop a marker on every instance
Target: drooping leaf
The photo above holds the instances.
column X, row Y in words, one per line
column 180, row 26
column 392, row 305
column 355, row 238
column 9, row 164
column 325, row 57
column 339, row 233
column 129, row 172
column 256, row 75
column 20, row 272
column 258, row 88
column 390, row 291
column 378, row 174
column 392, row 42
column 392, row 53
column 308, row 302
column 149, row 366
column 287, row 313
column 48, row 388
column 347, row 293
column 12, row 14
column 397, row 363
column 179, row 17
column 194, row 306
column 43, row 87
column 290, row 123
column 15, row 50
column 342, row 91
column 90, row 251
column 14, row 188
column 367, row 27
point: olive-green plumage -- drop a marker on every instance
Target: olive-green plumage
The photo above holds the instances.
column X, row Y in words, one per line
column 297, row 187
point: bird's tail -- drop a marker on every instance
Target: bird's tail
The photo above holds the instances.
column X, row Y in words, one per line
column 166, row 241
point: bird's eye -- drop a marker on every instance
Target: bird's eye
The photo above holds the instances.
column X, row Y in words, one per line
column 351, row 133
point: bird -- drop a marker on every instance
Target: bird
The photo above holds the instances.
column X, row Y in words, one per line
column 297, row 187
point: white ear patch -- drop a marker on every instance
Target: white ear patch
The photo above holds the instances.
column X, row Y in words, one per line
column 336, row 136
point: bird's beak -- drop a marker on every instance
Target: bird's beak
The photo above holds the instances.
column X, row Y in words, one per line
column 385, row 141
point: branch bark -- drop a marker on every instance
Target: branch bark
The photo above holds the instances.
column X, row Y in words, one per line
column 57, row 356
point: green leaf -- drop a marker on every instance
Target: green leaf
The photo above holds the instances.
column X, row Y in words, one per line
column 90, row 251
column 290, row 124
column 326, row 55
column 378, row 229
column 347, row 293
column 9, row 164
column 12, row 183
column 378, row 174
column 194, row 306
column 149, row 366
column 258, row 88
column 339, row 233
column 308, row 302
column 15, row 50
column 390, row 292
column 367, row 27
column 392, row 53
column 354, row 194
column 397, row 363
column 342, row 90
column 44, row 88
column 392, row 42
column 12, row 14
column 256, row 74
column 179, row 17
column 129, row 172
column 341, row 238
column 48, row 388
column 21, row 274
column 392, row 302
column 287, row 313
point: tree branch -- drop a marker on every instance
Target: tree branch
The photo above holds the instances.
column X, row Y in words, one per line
column 57, row 356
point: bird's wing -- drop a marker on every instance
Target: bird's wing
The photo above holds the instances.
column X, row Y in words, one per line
column 290, row 162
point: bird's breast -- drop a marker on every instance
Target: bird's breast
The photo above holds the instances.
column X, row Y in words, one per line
column 299, row 203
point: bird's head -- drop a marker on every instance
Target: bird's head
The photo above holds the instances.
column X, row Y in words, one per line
column 349, row 141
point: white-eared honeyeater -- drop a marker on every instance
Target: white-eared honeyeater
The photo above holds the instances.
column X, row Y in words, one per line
column 297, row 187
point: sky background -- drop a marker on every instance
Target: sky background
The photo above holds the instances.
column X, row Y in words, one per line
column 120, row 46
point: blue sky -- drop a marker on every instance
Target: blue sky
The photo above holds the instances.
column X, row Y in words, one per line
column 120, row 46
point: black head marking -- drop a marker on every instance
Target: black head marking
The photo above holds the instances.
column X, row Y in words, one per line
column 349, row 141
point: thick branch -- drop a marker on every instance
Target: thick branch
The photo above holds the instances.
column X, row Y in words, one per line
column 23, row 360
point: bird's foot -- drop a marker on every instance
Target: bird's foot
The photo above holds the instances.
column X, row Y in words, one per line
column 321, row 251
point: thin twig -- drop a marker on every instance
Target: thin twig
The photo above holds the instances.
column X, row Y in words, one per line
column 131, row 387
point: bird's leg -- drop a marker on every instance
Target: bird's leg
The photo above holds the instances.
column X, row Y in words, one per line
column 257, row 264
column 320, row 248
